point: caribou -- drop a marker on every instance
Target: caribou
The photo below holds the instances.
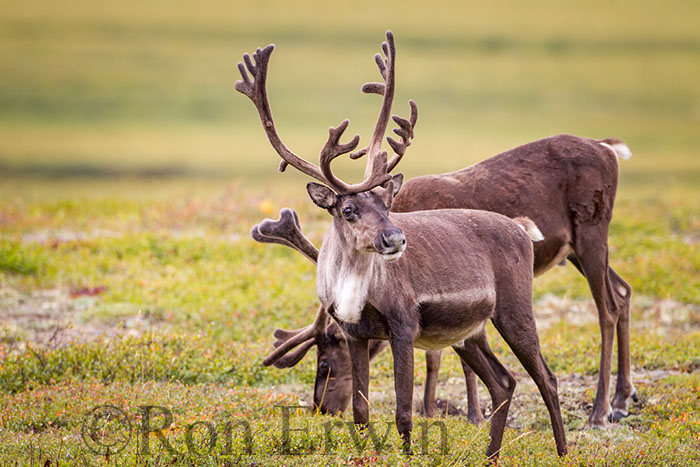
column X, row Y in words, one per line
column 426, row 279
column 333, row 385
column 566, row 184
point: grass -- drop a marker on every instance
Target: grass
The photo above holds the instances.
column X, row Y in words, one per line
column 131, row 173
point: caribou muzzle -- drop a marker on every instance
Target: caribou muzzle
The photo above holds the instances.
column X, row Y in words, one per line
column 390, row 243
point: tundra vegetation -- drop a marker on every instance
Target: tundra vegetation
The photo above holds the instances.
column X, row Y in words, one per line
column 131, row 173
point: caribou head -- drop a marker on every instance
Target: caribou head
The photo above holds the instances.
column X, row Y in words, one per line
column 362, row 219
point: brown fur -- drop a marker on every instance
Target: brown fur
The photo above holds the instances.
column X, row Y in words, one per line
column 566, row 185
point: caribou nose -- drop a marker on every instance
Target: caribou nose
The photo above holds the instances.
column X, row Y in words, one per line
column 390, row 241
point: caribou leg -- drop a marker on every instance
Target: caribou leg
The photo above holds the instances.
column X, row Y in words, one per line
column 402, row 350
column 474, row 413
column 620, row 295
column 359, row 356
column 520, row 333
column 592, row 261
column 624, row 387
column 432, row 363
column 476, row 352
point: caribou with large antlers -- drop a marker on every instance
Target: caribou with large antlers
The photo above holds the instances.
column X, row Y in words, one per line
column 567, row 185
column 432, row 278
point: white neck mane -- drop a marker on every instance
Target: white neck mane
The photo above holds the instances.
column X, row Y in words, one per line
column 344, row 281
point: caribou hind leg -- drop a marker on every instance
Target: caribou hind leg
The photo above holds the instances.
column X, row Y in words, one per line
column 624, row 389
column 476, row 352
column 520, row 332
column 592, row 260
column 620, row 294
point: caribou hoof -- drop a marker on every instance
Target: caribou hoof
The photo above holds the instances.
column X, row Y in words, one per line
column 635, row 397
column 617, row 416
column 600, row 422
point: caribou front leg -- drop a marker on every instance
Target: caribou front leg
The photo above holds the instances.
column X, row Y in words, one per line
column 474, row 413
column 359, row 355
column 432, row 363
column 402, row 349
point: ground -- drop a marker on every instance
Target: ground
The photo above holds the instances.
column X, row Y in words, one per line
column 175, row 308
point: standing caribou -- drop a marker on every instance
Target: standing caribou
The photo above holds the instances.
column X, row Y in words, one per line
column 566, row 185
column 427, row 279
column 333, row 385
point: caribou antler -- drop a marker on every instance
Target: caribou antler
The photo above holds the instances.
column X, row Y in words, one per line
column 287, row 340
column 252, row 84
column 285, row 231
column 406, row 127
column 405, row 131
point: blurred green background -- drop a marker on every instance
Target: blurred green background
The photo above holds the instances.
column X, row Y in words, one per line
column 137, row 90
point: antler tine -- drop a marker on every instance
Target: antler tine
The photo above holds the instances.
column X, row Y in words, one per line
column 285, row 231
column 292, row 358
column 333, row 149
column 405, row 131
column 378, row 175
column 387, row 70
column 311, row 331
column 255, row 89
column 376, row 172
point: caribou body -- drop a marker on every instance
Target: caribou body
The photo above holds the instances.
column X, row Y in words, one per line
column 427, row 278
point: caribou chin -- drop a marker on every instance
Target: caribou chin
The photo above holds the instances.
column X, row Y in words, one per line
column 389, row 257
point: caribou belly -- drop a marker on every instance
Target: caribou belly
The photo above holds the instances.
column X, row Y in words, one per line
column 447, row 319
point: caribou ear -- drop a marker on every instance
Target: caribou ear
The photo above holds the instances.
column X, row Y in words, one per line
column 398, row 183
column 322, row 196
column 389, row 190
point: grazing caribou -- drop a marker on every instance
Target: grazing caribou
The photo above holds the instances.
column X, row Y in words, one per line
column 431, row 278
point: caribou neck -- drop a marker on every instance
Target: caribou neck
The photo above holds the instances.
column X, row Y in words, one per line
column 346, row 276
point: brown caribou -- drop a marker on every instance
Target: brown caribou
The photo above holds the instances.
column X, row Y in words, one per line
column 333, row 385
column 566, row 185
column 431, row 278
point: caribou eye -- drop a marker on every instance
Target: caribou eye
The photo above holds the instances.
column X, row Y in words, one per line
column 347, row 213
column 323, row 368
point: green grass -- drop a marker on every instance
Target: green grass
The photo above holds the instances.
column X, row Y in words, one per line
column 129, row 165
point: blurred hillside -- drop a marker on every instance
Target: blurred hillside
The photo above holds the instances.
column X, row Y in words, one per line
column 101, row 89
